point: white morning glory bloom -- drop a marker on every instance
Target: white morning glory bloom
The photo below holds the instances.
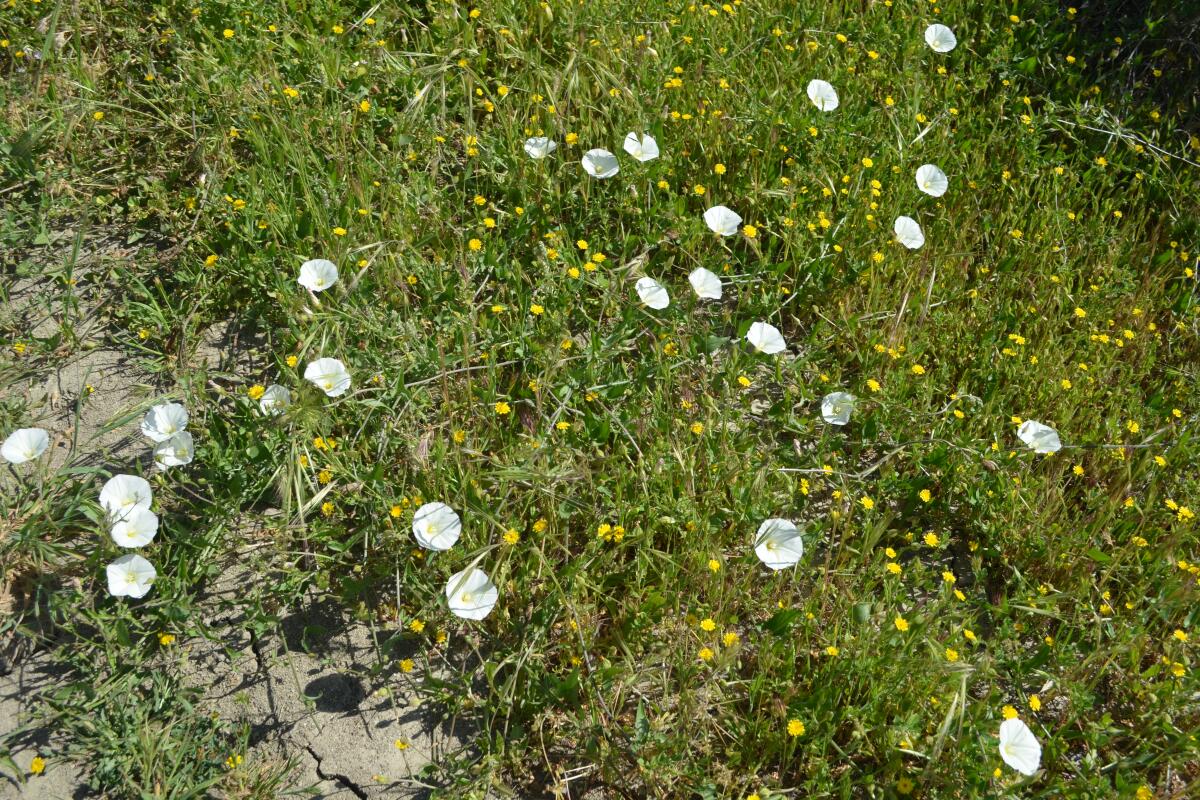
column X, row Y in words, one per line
column 125, row 495
column 1019, row 748
column 908, row 233
column 471, row 594
column 274, row 400
column 778, row 544
column 931, row 180
column 318, row 274
column 600, row 163
column 643, row 148
column 136, row 530
column 130, row 576
column 436, row 526
column 329, row 375
column 940, row 38
column 24, row 444
column 538, row 147
column 766, row 338
column 1040, row 438
column 653, row 293
column 174, row 452
column 705, row 284
column 836, row 407
column 722, row 220
column 164, row 421
column 823, row 95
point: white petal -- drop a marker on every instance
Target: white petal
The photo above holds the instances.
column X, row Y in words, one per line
column 600, row 163
column 643, row 147
column 164, row 421
column 329, row 375
column 137, row 530
column 538, row 147
column 931, row 180
column 130, row 576
column 778, row 544
column 436, row 526
column 908, row 233
column 24, row 444
column 653, row 293
column 940, row 38
column 471, row 594
column 124, row 495
column 823, row 95
column 318, row 274
column 836, row 407
column 766, row 338
column 1019, row 748
column 722, row 220
column 1040, row 438
column 705, row 284
column 274, row 400
column 174, row 452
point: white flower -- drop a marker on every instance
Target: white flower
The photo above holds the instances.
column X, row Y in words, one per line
column 329, row 375
column 1040, row 438
column 164, row 421
column 823, row 95
column 538, row 147
column 471, row 594
column 931, row 180
column 722, row 220
column 653, row 293
column 24, row 444
column 908, row 233
column 643, row 149
column 436, row 526
column 705, row 284
column 274, row 400
column 130, row 576
column 1019, row 748
column 125, row 495
column 836, row 407
column 318, row 274
column 778, row 544
column 766, row 338
column 136, row 530
column 940, row 38
column 174, row 452
column 600, row 163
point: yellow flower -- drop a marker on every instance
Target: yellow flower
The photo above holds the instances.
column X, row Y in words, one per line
column 256, row 391
column 729, row 639
column 364, row 105
column 795, row 728
column 1008, row 712
column 512, row 536
column 705, row 654
column 866, row 502
column 339, row 231
column 697, row 428
column 227, row 33
column 401, row 744
column 166, row 639
column 1180, row 635
column 931, row 539
column 502, row 408
column 38, row 765
column 292, row 361
column 901, row 623
column 917, row 369
column 475, row 244
column 925, row 495
column 750, row 231
column 951, row 655
column 714, row 565
column 416, row 626
column 1035, row 702
column 708, row 624
column 832, row 651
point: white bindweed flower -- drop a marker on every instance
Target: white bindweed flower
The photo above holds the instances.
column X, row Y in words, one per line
column 940, row 38
column 136, row 530
column 722, row 220
column 823, row 95
column 174, row 452
column 1040, row 438
column 538, row 147
column 130, row 576
column 778, row 544
column 122, row 496
column 275, row 400
column 643, row 148
column 318, row 274
column 931, row 180
column 653, row 293
column 836, row 407
column 1019, row 748
column 908, row 233
column 471, row 594
column 24, row 444
column 766, row 338
column 600, row 163
column 436, row 526
column 164, row 421
column 705, row 284
column 329, row 375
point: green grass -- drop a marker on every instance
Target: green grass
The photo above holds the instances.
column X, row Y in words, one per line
column 1056, row 284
